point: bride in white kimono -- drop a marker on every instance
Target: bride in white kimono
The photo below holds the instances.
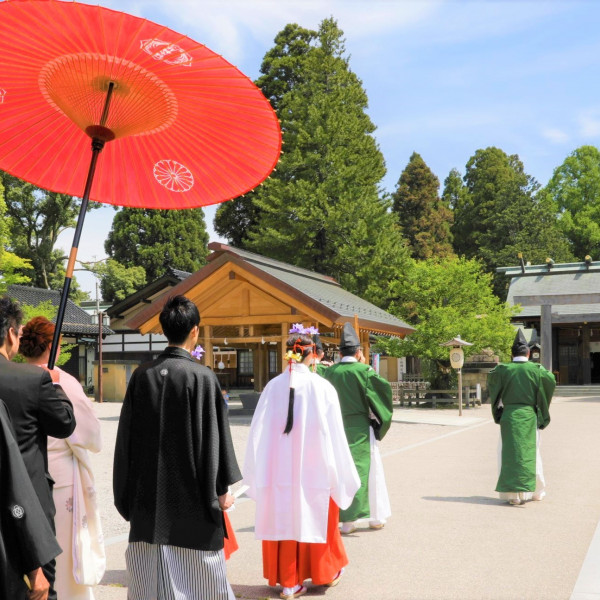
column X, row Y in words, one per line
column 78, row 531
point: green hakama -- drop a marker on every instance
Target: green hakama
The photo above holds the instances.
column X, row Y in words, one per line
column 361, row 391
column 520, row 393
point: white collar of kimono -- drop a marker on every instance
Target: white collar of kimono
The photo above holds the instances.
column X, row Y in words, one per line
column 300, row 367
column 520, row 359
column 348, row 359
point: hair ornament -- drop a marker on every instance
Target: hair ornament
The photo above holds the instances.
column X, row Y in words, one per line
column 197, row 352
column 291, row 355
column 299, row 328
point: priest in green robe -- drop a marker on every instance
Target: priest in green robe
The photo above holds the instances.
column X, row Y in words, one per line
column 366, row 403
column 520, row 394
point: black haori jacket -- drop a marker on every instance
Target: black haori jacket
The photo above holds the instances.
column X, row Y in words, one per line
column 26, row 538
column 174, row 454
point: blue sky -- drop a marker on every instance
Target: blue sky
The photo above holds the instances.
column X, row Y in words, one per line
column 444, row 77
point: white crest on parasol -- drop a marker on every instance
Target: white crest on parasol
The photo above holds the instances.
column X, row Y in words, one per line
column 172, row 54
column 173, row 175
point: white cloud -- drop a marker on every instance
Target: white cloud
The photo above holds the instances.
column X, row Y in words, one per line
column 226, row 25
column 589, row 124
column 555, row 135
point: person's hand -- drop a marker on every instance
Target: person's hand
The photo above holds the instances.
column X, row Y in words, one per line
column 361, row 357
column 54, row 374
column 39, row 585
column 226, row 501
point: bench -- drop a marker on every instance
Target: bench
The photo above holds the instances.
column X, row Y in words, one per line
column 435, row 397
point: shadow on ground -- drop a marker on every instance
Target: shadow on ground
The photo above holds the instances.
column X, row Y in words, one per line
column 468, row 500
column 116, row 577
column 263, row 592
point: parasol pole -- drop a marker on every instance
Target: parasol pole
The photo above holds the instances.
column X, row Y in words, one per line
column 100, row 134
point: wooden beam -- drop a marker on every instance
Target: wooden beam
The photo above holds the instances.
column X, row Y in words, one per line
column 365, row 344
column 554, row 299
column 204, row 298
column 584, row 357
column 586, row 318
column 546, row 337
column 285, row 328
column 255, row 339
column 283, row 297
column 252, row 320
column 208, row 347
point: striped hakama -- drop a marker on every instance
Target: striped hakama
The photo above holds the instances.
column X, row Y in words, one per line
column 161, row 572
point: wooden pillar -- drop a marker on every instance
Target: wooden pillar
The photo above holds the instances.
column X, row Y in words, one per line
column 208, row 347
column 586, row 378
column 256, row 364
column 546, row 336
column 285, row 328
column 365, row 344
column 264, row 371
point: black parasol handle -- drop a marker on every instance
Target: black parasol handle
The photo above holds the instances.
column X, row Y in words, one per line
column 97, row 146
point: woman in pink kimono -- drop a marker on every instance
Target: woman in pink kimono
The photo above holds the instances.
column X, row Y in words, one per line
column 78, row 529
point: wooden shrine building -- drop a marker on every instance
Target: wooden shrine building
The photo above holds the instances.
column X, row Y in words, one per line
column 247, row 305
column 561, row 302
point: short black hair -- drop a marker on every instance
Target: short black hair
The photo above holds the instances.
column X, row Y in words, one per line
column 177, row 318
column 349, row 350
column 11, row 315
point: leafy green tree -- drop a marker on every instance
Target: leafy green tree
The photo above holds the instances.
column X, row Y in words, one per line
column 157, row 239
column 443, row 299
column 501, row 214
column 425, row 218
column 36, row 218
column 321, row 209
column 575, row 190
column 12, row 267
column 117, row 282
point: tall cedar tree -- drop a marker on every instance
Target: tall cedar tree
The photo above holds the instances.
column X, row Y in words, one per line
column 281, row 71
column 575, row 190
column 36, row 218
column 425, row 218
column 500, row 214
column 158, row 239
column 321, row 209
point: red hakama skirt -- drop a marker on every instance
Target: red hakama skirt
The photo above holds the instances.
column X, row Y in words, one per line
column 289, row 562
column 230, row 543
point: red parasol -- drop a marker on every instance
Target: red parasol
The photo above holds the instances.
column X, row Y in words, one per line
column 172, row 124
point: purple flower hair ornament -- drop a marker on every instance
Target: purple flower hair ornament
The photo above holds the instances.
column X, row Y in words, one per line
column 297, row 328
column 197, row 352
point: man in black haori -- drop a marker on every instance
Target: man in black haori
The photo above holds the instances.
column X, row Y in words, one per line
column 38, row 409
column 174, row 463
column 26, row 539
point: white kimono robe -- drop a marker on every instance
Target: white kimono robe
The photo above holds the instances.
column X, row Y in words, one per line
column 292, row 476
column 78, row 527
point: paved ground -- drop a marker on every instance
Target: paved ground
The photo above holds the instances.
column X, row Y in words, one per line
column 449, row 536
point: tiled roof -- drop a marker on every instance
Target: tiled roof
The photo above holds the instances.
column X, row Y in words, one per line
column 321, row 288
column 170, row 278
column 76, row 321
column 181, row 275
column 550, row 283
